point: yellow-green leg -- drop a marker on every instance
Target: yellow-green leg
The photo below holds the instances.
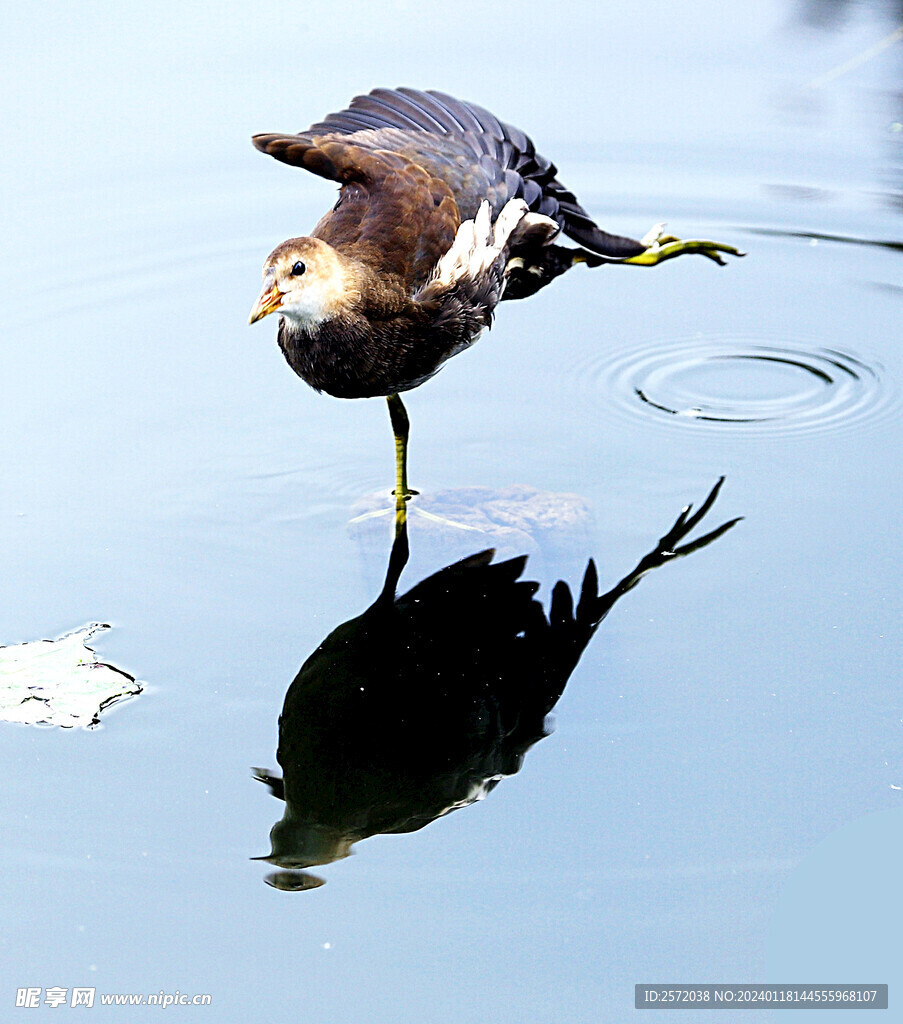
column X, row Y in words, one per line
column 661, row 247
column 401, row 428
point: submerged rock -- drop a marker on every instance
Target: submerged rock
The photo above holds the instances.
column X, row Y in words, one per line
column 552, row 528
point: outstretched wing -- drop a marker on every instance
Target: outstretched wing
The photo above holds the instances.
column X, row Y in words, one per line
column 391, row 212
column 477, row 156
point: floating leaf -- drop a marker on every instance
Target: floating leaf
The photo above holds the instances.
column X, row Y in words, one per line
column 60, row 682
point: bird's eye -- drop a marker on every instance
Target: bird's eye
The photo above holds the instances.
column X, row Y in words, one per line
column 298, row 269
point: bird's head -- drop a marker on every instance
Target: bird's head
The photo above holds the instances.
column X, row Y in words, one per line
column 306, row 280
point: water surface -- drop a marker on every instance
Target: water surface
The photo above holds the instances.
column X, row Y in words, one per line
column 727, row 754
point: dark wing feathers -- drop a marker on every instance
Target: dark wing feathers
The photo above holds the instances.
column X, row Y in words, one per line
column 426, row 114
column 400, row 114
column 448, row 115
column 461, row 112
column 411, row 226
column 472, row 151
column 488, row 122
column 348, row 122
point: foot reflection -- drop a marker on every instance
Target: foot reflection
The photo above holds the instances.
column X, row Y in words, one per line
column 424, row 702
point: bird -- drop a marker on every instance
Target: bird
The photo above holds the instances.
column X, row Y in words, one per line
column 421, row 704
column 443, row 211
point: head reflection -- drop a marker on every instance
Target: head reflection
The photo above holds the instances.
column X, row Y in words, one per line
column 423, row 703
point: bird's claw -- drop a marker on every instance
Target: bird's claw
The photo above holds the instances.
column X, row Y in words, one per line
column 661, row 247
column 669, row 546
column 667, row 549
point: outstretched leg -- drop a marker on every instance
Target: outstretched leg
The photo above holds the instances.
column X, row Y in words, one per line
column 667, row 549
column 577, row 626
column 400, row 427
column 661, row 247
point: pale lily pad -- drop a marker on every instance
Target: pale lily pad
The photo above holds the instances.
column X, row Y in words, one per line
column 60, row 682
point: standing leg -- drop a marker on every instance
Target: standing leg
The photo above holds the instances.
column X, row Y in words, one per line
column 400, row 427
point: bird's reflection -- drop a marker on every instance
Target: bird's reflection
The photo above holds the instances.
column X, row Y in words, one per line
column 424, row 702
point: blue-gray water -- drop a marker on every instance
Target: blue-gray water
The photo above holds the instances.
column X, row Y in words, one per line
column 720, row 800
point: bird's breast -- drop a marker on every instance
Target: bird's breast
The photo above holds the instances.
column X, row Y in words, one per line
column 354, row 357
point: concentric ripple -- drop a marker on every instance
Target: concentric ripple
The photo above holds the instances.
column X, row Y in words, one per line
column 741, row 385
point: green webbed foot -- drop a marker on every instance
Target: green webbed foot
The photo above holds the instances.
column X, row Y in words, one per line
column 661, row 247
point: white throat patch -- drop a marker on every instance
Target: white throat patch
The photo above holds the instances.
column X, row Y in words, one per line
column 311, row 305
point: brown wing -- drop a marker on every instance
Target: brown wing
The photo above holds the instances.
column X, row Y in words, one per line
column 476, row 154
column 391, row 213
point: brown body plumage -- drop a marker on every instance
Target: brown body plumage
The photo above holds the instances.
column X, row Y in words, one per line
column 443, row 211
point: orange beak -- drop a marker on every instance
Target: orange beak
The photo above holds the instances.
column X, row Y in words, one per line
column 269, row 300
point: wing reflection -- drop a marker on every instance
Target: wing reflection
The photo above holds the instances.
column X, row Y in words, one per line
column 423, row 703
